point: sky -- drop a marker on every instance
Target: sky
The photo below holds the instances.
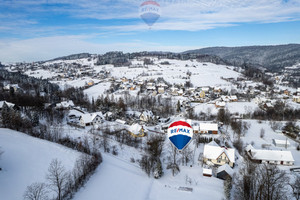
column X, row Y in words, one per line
column 35, row 30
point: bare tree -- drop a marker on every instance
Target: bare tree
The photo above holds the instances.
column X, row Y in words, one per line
column 36, row 191
column 295, row 185
column 173, row 160
column 57, row 177
column 186, row 156
column 261, row 182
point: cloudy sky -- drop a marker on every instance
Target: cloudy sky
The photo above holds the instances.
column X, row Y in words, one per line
column 32, row 30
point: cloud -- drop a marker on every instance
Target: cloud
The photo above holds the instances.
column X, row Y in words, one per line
column 188, row 15
column 39, row 49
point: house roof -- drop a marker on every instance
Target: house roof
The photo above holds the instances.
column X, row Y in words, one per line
column 147, row 113
column 225, row 168
column 270, row 155
column 7, row 103
column 212, row 151
column 75, row 113
column 281, row 142
column 65, row 104
column 89, row 117
column 135, row 128
column 220, row 103
column 209, row 126
column 207, row 171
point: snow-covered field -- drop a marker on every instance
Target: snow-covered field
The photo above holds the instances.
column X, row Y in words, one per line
column 119, row 179
column 26, row 160
column 97, row 90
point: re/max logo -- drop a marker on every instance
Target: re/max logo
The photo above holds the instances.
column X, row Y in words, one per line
column 178, row 130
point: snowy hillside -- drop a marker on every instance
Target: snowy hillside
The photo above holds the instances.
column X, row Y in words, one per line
column 26, row 160
column 117, row 178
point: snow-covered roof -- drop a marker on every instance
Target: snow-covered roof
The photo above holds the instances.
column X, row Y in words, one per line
column 281, row 142
column 212, row 151
column 121, row 121
column 226, row 168
column 147, row 113
column 270, row 155
column 221, row 103
column 7, row 103
column 209, row 126
column 89, row 117
column 207, row 171
column 65, row 104
column 135, row 128
column 75, row 113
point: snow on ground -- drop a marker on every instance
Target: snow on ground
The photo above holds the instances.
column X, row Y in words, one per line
column 203, row 74
column 75, row 83
column 97, row 90
column 26, row 160
column 41, row 73
column 233, row 107
column 119, row 179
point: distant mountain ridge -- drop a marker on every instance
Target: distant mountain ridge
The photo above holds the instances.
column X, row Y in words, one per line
column 272, row 57
column 72, row 57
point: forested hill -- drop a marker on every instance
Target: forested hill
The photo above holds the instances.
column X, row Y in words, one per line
column 272, row 57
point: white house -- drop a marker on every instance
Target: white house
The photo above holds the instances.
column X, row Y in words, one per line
column 146, row 116
column 210, row 128
column 91, row 119
column 281, row 143
column 214, row 154
column 270, row 156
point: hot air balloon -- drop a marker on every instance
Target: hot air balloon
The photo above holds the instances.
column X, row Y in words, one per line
column 180, row 133
column 150, row 12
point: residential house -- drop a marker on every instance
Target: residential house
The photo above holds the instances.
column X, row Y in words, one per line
column 286, row 92
column 146, row 116
column 136, row 130
column 270, row 156
column 196, row 129
column 210, row 128
column 161, row 90
column 10, row 105
column 216, row 155
column 220, row 104
column 90, row 119
column 296, row 99
column 74, row 114
column 8, row 87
